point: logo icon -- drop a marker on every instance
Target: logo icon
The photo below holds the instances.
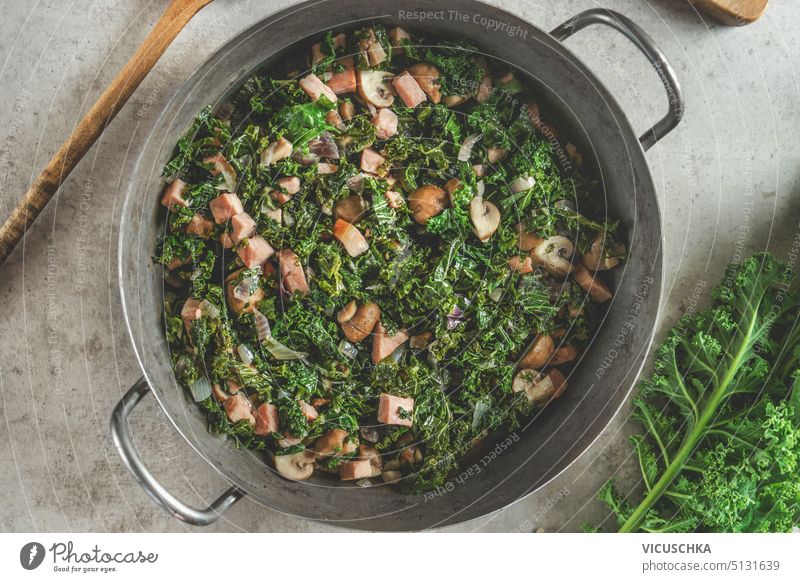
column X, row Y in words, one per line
column 31, row 555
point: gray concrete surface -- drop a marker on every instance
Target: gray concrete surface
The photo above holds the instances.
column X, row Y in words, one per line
column 728, row 180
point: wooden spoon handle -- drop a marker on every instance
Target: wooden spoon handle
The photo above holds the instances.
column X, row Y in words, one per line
column 174, row 18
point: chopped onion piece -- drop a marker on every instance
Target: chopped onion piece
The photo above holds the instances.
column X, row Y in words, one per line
column 481, row 409
column 245, row 353
column 262, row 325
column 364, row 483
column 201, row 389
column 481, row 188
column 347, row 349
column 280, row 351
column 496, row 294
column 465, row 152
column 209, row 308
column 521, row 184
column 245, row 288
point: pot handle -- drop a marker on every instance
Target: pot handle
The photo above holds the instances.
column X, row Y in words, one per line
column 127, row 450
column 645, row 44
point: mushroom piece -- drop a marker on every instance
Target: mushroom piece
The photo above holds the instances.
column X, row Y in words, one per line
column 296, row 466
column 391, row 476
column 454, row 100
column 592, row 284
column 347, row 312
column 539, row 353
column 485, row 217
column 554, row 254
column 375, row 87
column 426, row 202
column 427, row 77
column 520, row 265
column 371, row 454
column 335, row 442
column 350, row 209
column 243, row 293
column 595, row 259
column 563, row 355
column 539, row 388
column 451, row 186
column 346, row 110
column 420, row 341
column 351, row 238
column 361, row 324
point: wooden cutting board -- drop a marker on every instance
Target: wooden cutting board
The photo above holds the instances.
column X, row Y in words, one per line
column 733, row 12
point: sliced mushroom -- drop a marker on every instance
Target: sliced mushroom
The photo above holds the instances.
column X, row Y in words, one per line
column 554, row 254
column 427, row 202
column 350, row 209
column 451, row 186
column 346, row 109
column 335, row 442
column 296, row 466
column 347, row 312
column 563, row 355
column 485, row 217
column 420, row 341
column 539, row 353
column 375, row 87
column 427, row 77
column 362, row 323
column 592, row 284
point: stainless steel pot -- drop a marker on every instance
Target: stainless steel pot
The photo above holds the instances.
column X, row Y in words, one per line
column 539, row 451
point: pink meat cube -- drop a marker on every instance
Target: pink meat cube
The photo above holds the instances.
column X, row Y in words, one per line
column 225, row 206
column 385, row 122
column 243, row 226
column 309, row 411
column 238, row 407
column 255, row 252
column 408, row 89
column 226, row 240
column 315, row 88
column 389, row 409
column 267, row 420
column 384, row 345
column 200, row 226
column 353, row 470
column 276, row 151
column 371, row 161
column 191, row 311
column 290, row 183
column 173, row 195
column 293, row 279
column 351, row 238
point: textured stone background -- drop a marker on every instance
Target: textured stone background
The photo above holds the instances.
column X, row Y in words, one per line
column 727, row 179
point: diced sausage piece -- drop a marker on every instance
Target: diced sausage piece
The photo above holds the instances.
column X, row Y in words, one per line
column 591, row 283
column 351, row 238
column 191, row 311
column 389, row 410
column 255, row 252
column 290, row 183
column 176, row 262
column 519, row 265
column 384, row 345
column 243, row 226
column 385, row 122
column 200, row 226
column 396, row 37
column 226, row 240
column 293, row 279
column 225, row 206
column 393, row 199
column 173, row 195
column 353, row 470
column 308, row 411
column 219, row 394
column 315, row 88
column 275, row 215
column 276, row 151
column 409, row 90
column 326, row 168
column 344, row 81
column 280, row 197
column 371, row 161
column 267, row 420
column 238, row 408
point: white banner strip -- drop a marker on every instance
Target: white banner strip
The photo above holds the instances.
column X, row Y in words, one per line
column 399, row 557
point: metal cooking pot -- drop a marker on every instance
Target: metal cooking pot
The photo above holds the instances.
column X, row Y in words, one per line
column 536, row 453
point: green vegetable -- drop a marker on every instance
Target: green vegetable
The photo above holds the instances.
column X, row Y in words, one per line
column 721, row 442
